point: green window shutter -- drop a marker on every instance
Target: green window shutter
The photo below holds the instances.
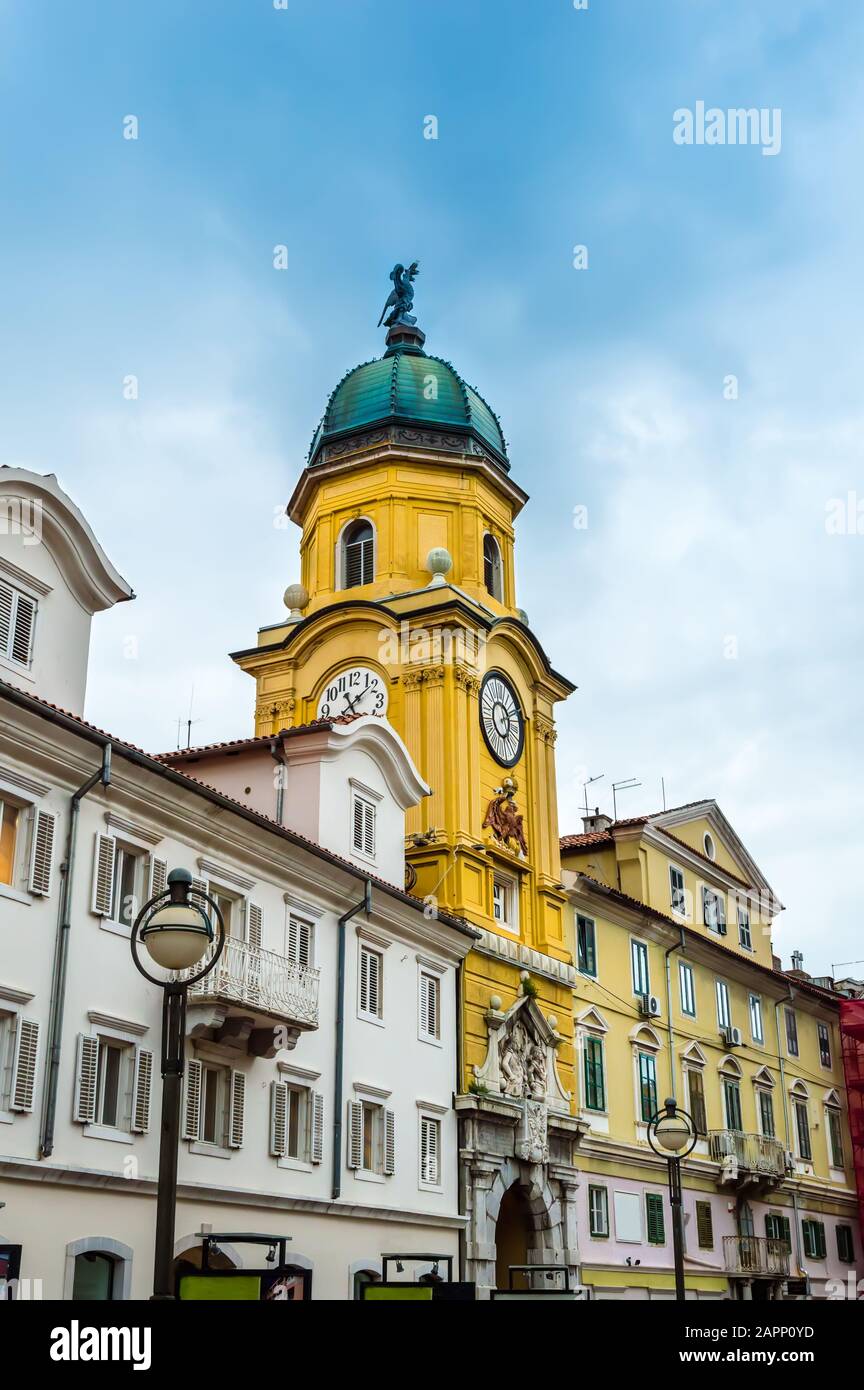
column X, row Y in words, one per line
column 821, row 1247
column 595, row 1098
column 845, row 1244
column 704, row 1226
column 654, row 1218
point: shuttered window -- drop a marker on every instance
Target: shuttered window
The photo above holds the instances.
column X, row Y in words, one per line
column 598, row 1211
column 655, row 1225
column 158, row 876
column 103, row 876
column 713, row 911
column 430, row 1151
column 777, row 1228
column 9, row 816
column 647, row 1086
column 141, row 1091
column 192, row 1100
column 299, row 941
column 676, row 888
column 791, row 1033
column 595, row 1088
column 371, row 1137
column 358, row 555
column 639, row 964
column 430, row 1006
column 363, row 826
column 824, row 1044
column 845, row 1245
column 813, row 1233
column 732, row 1104
column 17, row 621
column 802, row 1129
column 237, row 1114
column 704, row 1226
column 371, row 992
column 42, row 853
column 25, row 1057
column 296, row 1122
column 835, row 1138
column 355, row 1132
column 688, row 991
column 766, row 1114
column 696, row 1095
column 586, row 945
column 86, row 1072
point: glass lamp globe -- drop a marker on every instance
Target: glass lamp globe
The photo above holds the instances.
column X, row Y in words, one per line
column 672, row 1133
column 176, row 936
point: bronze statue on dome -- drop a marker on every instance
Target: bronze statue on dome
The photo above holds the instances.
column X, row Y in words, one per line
column 401, row 297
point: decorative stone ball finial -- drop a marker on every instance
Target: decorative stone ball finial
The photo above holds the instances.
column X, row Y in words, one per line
column 553, row 1023
column 438, row 562
column 295, row 598
column 495, row 1002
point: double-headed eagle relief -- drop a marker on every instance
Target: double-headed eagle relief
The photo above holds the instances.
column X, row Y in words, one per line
column 401, row 298
column 503, row 818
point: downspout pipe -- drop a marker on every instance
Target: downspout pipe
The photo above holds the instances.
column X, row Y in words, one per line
column 61, row 955
column 786, row 1124
column 365, row 905
column 678, row 946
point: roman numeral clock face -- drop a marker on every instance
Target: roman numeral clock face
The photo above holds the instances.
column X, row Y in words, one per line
column 501, row 719
column 355, row 691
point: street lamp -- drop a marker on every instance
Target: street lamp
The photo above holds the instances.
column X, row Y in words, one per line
column 178, row 936
column 672, row 1135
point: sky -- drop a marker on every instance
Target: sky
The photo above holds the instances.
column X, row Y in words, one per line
column 682, row 399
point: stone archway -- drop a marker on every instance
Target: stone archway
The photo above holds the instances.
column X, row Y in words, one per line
column 514, row 1231
column 535, row 1224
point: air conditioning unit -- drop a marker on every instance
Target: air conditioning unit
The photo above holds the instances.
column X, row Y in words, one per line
column 732, row 1037
column 649, row 1006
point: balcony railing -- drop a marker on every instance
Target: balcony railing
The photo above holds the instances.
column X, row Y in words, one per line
column 263, row 982
column 748, row 1155
column 756, row 1255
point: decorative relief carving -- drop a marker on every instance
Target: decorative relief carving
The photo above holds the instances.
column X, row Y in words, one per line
column 504, row 819
column 520, row 1066
column 546, row 729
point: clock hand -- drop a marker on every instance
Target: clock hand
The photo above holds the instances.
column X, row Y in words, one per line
column 351, row 703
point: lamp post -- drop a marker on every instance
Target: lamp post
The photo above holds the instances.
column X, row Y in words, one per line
column 178, row 935
column 672, row 1135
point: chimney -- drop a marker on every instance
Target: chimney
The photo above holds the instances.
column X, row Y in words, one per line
column 595, row 822
column 797, row 960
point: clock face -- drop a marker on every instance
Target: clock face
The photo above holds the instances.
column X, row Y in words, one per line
column 501, row 719
column 355, row 691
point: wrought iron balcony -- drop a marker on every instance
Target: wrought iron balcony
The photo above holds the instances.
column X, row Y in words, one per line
column 747, row 1158
column 262, row 983
column 756, row 1255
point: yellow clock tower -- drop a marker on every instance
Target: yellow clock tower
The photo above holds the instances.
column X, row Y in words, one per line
column 407, row 608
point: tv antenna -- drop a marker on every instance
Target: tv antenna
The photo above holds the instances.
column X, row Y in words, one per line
column 188, row 721
column 626, row 785
column 586, row 785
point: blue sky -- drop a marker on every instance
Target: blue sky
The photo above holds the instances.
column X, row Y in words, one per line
column 304, row 127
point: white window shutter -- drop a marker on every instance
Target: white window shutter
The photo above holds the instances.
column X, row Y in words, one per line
column 253, row 925
column 42, row 852
column 237, row 1115
column 278, row 1118
column 199, row 886
column 355, row 1134
column 368, row 828
column 24, row 1064
column 389, row 1142
column 141, row 1091
column 103, row 876
column 358, row 824
column 316, row 1147
column 86, row 1072
column 22, row 629
column 429, row 1162
column 7, row 602
column 192, row 1107
column 299, row 941
column 158, row 876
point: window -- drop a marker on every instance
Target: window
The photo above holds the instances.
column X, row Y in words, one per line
column 813, row 1233
column 724, row 1016
column 215, row 1105
column 655, row 1226
column 430, row 1151
column 835, row 1137
column 766, row 1114
column 757, row 1031
column 688, row 991
column 363, row 825
column 19, row 1055
column 696, row 1098
column 586, row 945
column 647, row 1086
column 126, row 894
column 704, row 1226
column 744, row 938
column 94, row 1278
column 639, row 962
column 845, row 1245
column 708, row 844
column 430, row 1006
column 504, row 903
column 371, row 982
column 296, row 1122
column 598, row 1211
column 17, row 620
column 231, row 910
column 802, row 1130
column 300, row 941
column 371, row 1131
column 713, row 911
column 732, row 1104
column 679, row 897
column 492, row 577
column 358, row 555
column 595, row 1086
column 824, row 1044
column 112, row 1083
column 8, row 836
column 777, row 1228
column 791, row 1033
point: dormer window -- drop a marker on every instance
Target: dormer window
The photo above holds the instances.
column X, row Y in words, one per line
column 358, row 555
column 17, row 620
column 492, row 568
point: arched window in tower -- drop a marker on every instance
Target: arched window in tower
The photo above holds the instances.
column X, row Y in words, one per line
column 358, row 555
column 492, row 568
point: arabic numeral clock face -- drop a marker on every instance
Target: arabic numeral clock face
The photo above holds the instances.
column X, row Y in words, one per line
column 355, row 691
column 501, row 719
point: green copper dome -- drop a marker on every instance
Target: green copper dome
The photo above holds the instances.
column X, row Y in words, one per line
column 409, row 388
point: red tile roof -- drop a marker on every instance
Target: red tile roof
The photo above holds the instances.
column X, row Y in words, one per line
column 239, row 745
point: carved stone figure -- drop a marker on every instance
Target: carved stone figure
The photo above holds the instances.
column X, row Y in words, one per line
column 504, row 820
column 537, row 1072
column 513, row 1062
column 401, row 297
column 535, row 1146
